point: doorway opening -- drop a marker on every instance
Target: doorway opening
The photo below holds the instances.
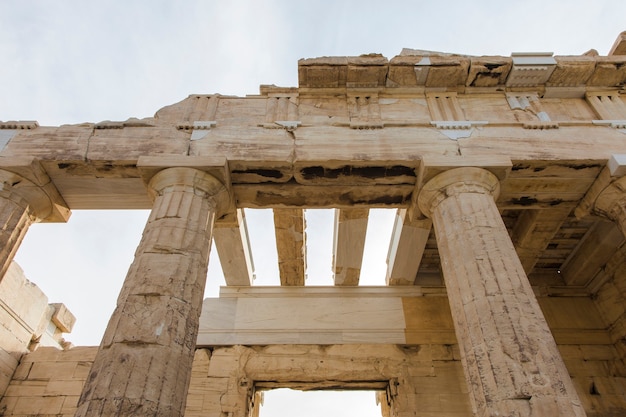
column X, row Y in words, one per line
column 282, row 402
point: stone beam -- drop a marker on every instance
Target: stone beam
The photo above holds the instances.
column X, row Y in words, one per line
column 408, row 240
column 533, row 232
column 611, row 203
column 348, row 243
column 96, row 168
column 290, row 226
column 611, row 296
column 511, row 361
column 233, row 247
column 595, row 249
column 614, row 169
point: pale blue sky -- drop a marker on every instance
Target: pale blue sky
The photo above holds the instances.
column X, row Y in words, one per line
column 77, row 61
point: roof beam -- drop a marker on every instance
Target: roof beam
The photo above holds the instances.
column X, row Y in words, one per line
column 233, row 247
column 348, row 244
column 408, row 240
column 290, row 226
column 533, row 232
column 594, row 251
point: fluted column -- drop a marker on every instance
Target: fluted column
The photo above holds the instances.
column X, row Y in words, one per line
column 510, row 358
column 611, row 203
column 143, row 366
column 21, row 203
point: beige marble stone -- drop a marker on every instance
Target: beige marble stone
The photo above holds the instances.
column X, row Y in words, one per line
column 357, row 133
column 324, row 315
column 348, row 244
column 406, row 248
column 27, row 321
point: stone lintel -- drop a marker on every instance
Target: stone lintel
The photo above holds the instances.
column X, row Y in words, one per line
column 324, row 316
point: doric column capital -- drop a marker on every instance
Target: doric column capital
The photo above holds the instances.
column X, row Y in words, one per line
column 611, row 203
column 26, row 194
column 200, row 181
column 456, row 181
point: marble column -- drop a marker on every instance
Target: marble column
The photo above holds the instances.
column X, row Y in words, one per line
column 21, row 203
column 143, row 366
column 611, row 203
column 510, row 359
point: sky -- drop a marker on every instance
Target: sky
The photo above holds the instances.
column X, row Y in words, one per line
column 66, row 62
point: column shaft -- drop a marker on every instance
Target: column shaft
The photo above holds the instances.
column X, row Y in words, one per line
column 21, row 203
column 511, row 360
column 15, row 220
column 144, row 362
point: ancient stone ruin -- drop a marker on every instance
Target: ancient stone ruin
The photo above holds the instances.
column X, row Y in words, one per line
column 506, row 280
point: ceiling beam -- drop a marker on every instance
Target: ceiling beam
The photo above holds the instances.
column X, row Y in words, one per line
column 233, row 247
column 594, row 250
column 533, row 232
column 348, row 244
column 408, row 240
column 290, row 226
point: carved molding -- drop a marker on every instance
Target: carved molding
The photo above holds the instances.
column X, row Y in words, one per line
column 19, row 125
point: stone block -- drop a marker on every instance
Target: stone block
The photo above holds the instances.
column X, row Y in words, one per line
column 64, row 388
column 571, row 71
column 50, row 370
column 38, row 405
column 63, row 318
column 22, row 371
column 8, row 404
column 69, row 404
column 428, row 402
column 28, row 388
column 421, row 369
column 8, row 365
